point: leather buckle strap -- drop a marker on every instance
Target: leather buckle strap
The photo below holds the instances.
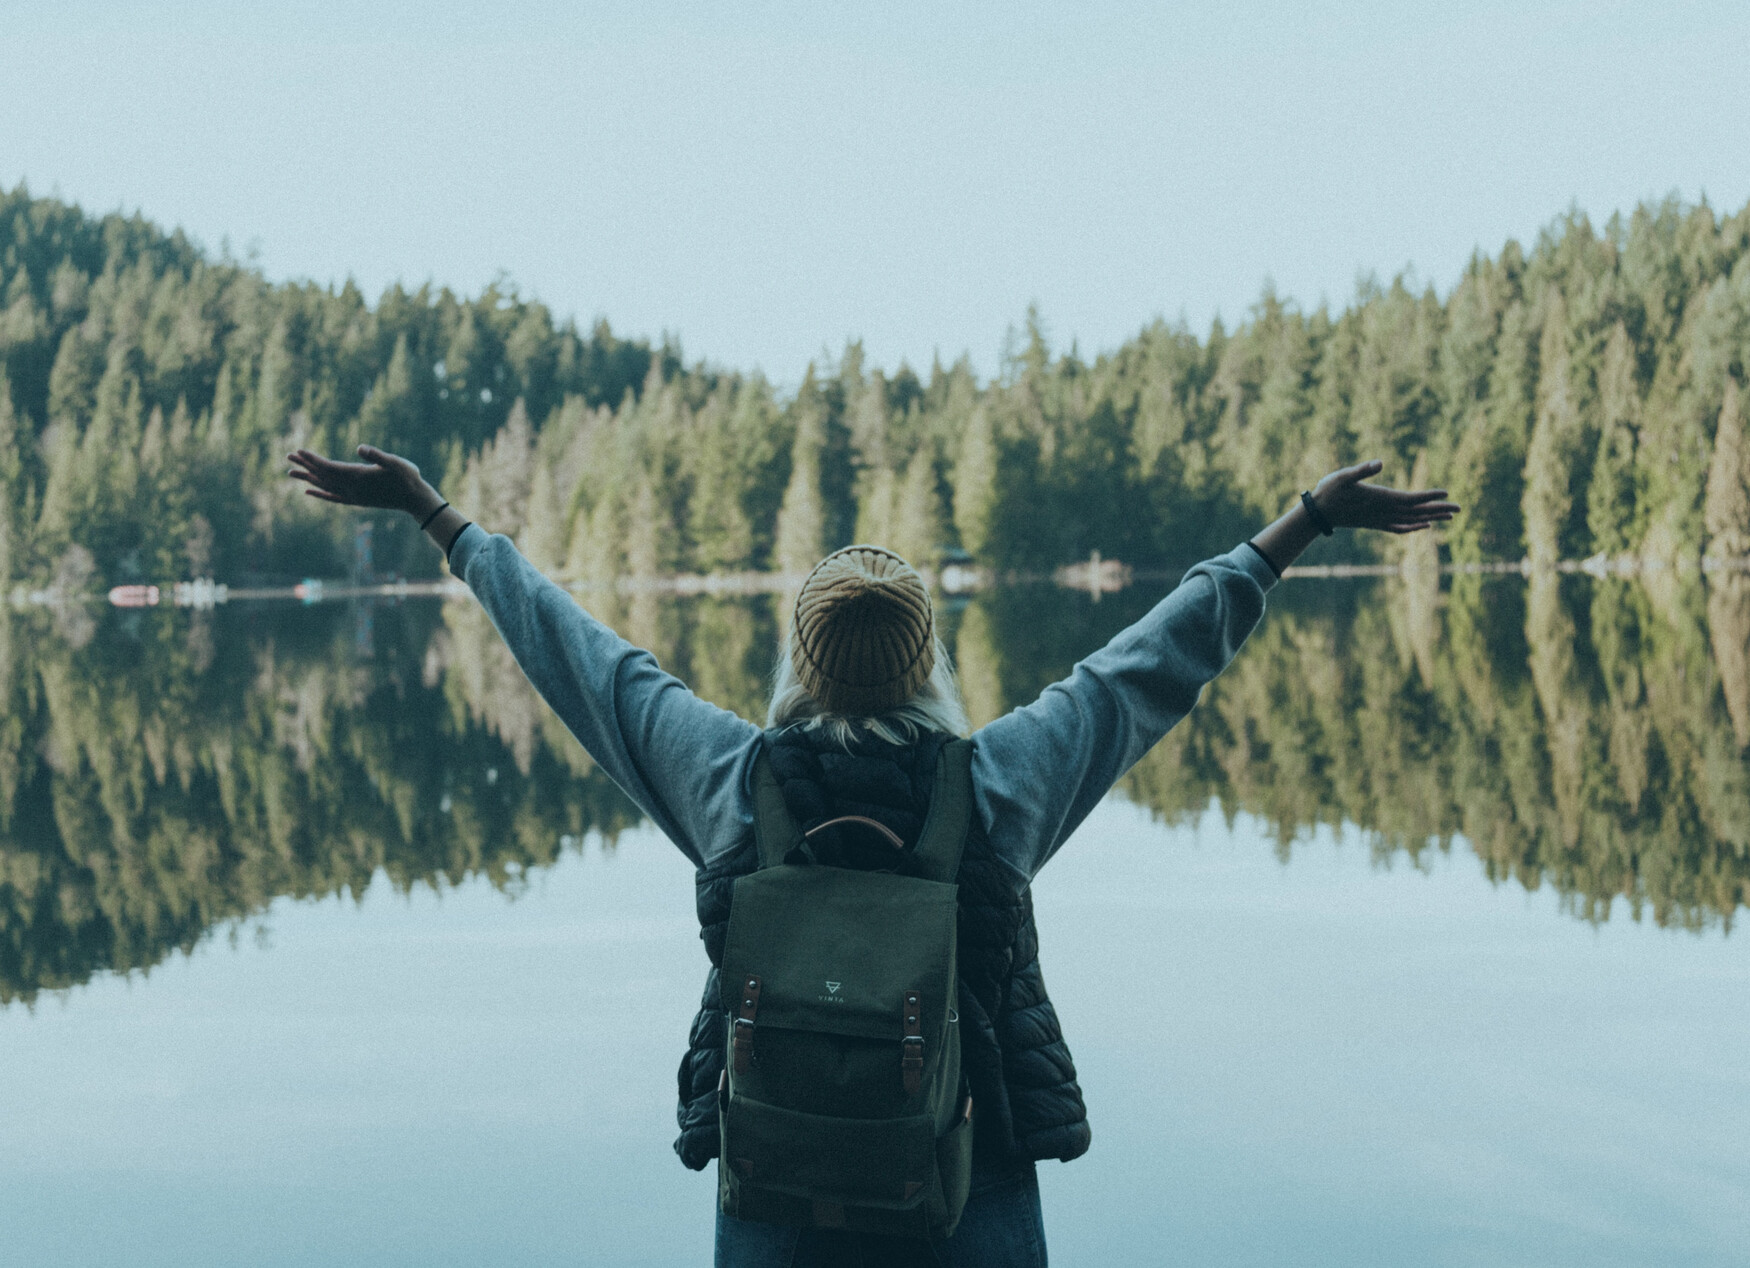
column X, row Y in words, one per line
column 741, row 1042
column 911, row 1047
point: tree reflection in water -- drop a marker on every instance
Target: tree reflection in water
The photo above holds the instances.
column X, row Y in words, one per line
column 175, row 773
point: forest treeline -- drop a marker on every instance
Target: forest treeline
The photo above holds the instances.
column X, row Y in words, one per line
column 1579, row 397
column 175, row 774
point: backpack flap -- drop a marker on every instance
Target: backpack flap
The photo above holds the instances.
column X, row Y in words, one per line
column 838, row 952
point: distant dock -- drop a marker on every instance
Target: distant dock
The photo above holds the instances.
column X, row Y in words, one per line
column 207, row 593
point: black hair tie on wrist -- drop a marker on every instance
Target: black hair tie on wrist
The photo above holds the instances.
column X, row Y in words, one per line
column 1268, row 562
column 432, row 516
column 450, row 549
column 1317, row 516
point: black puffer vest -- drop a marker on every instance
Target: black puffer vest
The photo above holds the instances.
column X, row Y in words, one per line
column 1023, row 1081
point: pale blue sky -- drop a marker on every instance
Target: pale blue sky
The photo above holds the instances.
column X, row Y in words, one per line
column 766, row 180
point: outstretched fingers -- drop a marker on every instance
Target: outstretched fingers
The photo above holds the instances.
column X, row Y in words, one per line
column 327, row 477
column 1403, row 511
column 315, row 462
column 1414, row 497
column 312, row 461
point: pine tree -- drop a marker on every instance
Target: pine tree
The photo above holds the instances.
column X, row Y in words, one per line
column 802, row 521
column 722, row 532
column 93, row 492
column 1552, row 460
column 1467, row 349
column 1395, row 398
column 976, row 490
column 876, row 508
column 917, row 532
column 650, row 537
column 389, row 417
column 73, row 379
column 1613, row 498
column 761, row 438
column 1488, row 477
column 10, row 468
column 275, row 382
column 544, row 532
column 596, row 551
column 497, row 484
column 1727, row 505
column 868, row 422
column 600, row 528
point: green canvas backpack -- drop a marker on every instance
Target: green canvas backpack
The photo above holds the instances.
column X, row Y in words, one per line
column 842, row 1103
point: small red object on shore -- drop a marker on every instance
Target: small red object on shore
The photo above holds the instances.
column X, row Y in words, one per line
column 134, row 596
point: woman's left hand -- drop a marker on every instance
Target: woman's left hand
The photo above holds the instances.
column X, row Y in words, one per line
column 1348, row 503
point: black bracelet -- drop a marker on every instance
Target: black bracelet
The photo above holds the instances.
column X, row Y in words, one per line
column 1317, row 516
column 432, row 516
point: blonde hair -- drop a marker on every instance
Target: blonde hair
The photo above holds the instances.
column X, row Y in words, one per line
column 935, row 706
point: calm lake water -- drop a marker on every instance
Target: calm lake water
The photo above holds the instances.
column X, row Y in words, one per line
column 321, row 943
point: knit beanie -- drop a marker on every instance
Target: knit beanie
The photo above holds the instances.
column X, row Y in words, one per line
column 863, row 640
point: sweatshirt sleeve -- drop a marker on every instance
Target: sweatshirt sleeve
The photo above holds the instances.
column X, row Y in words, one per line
column 1040, row 769
column 684, row 761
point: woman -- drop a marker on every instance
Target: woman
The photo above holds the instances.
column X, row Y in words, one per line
column 864, row 701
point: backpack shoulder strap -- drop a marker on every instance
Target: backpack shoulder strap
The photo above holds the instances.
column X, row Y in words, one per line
column 775, row 830
column 937, row 853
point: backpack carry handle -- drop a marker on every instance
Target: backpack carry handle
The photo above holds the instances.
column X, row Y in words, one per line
column 936, row 856
column 887, row 832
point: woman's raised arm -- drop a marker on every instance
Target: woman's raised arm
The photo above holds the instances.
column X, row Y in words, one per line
column 1039, row 770
column 681, row 759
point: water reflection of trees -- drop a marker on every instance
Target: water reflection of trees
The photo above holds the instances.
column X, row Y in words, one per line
column 1579, row 733
column 173, row 775
column 145, row 802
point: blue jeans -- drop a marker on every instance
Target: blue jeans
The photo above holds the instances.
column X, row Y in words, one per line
column 1002, row 1227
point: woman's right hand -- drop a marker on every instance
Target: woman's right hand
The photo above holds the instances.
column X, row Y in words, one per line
column 1347, row 502
column 383, row 480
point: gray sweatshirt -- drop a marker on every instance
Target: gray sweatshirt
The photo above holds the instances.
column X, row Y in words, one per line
column 1036, row 772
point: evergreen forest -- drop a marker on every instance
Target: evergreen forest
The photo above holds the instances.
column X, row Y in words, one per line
column 1580, row 397
column 165, row 774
